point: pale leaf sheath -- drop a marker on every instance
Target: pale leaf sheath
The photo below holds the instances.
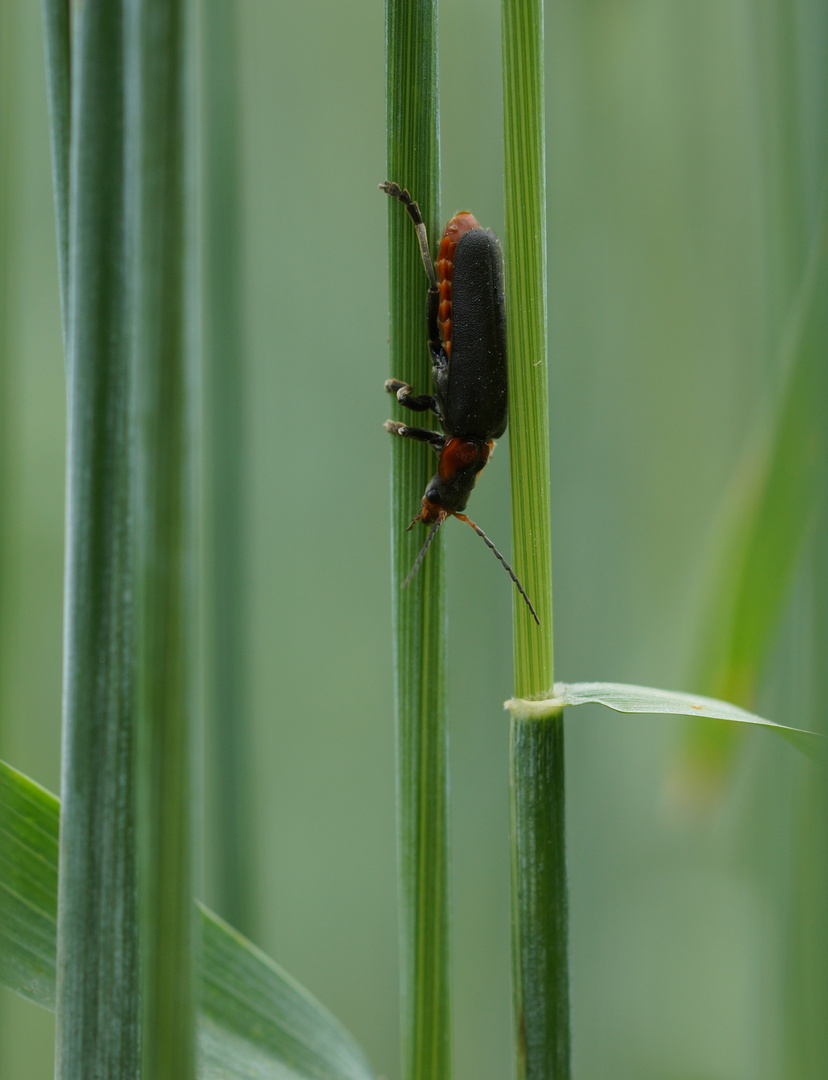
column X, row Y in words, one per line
column 625, row 698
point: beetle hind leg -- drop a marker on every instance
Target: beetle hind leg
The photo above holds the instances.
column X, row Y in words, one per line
column 435, row 439
column 407, row 396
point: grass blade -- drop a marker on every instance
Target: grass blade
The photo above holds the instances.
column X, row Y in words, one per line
column 254, row 1020
column 621, row 697
column 29, row 826
column 767, row 517
column 419, row 610
column 540, row 948
column 97, row 962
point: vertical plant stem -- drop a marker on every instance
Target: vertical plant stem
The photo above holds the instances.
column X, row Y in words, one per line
column 419, row 611
column 163, row 515
column 539, row 886
column 540, row 924
column 58, row 84
column 806, row 992
column 8, row 134
column 97, row 984
column 8, row 433
column 229, row 817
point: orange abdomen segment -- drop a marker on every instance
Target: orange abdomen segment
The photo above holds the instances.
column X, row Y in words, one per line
column 461, row 223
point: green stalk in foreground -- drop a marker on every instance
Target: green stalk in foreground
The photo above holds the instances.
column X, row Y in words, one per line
column 97, row 956
column 419, row 611
column 163, row 514
column 539, row 887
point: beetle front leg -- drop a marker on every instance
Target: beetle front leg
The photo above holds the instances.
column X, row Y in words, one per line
column 435, row 439
column 407, row 396
column 433, row 295
column 413, row 210
column 435, row 344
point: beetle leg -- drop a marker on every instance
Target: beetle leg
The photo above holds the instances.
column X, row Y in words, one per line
column 396, row 192
column 435, row 344
column 433, row 294
column 407, row 396
column 435, row 439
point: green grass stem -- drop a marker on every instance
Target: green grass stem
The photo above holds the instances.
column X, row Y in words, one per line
column 525, row 251
column 164, row 520
column 97, row 980
column 56, row 28
column 540, row 924
column 539, row 886
column 228, row 812
column 8, row 434
column 419, row 610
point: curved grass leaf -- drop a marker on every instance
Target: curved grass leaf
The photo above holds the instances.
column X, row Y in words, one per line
column 647, row 699
column 767, row 515
column 254, row 1021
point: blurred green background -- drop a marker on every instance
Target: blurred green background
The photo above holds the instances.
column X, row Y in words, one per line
column 686, row 155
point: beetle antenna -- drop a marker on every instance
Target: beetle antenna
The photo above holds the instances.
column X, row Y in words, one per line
column 506, row 566
column 424, row 548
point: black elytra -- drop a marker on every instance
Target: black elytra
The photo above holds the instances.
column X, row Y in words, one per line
column 466, row 325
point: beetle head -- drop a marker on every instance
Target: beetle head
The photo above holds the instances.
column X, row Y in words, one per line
column 431, row 510
column 432, row 513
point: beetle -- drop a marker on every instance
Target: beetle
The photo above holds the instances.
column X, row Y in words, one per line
column 466, row 326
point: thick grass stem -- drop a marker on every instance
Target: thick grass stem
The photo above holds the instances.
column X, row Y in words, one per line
column 164, row 415
column 419, row 610
column 97, row 972
column 539, row 887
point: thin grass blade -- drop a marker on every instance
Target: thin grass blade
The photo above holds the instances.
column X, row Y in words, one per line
column 767, row 516
column 624, row 698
